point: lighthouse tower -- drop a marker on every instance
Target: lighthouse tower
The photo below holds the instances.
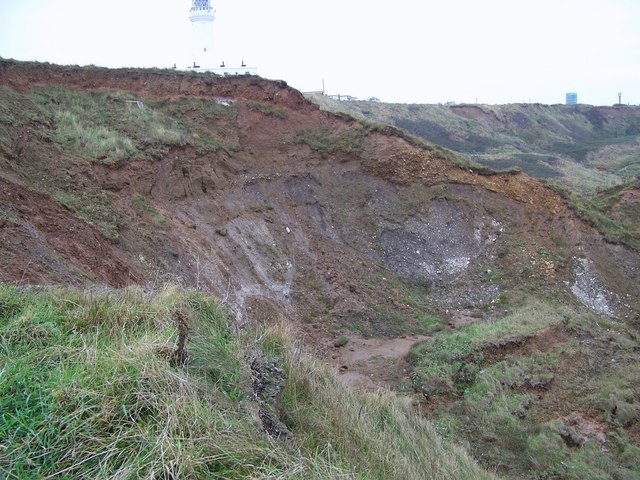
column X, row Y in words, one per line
column 202, row 16
column 203, row 56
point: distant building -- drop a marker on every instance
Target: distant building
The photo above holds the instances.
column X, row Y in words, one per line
column 572, row 98
column 344, row 98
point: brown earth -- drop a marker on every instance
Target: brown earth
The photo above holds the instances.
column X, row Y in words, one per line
column 368, row 240
column 374, row 363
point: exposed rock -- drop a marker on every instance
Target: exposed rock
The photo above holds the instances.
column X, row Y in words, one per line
column 588, row 289
column 268, row 383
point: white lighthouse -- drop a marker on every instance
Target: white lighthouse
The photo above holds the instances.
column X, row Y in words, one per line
column 204, row 57
column 202, row 17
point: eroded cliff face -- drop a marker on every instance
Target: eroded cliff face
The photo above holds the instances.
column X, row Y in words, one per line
column 479, row 296
column 274, row 206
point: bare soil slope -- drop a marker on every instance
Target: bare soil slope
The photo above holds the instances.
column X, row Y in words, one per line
column 291, row 209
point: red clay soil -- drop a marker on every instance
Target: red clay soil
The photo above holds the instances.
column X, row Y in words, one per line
column 277, row 223
column 43, row 243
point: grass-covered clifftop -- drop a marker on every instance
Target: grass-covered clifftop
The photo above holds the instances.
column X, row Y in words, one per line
column 591, row 155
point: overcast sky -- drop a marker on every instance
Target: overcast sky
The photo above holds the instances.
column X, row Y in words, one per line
column 411, row 51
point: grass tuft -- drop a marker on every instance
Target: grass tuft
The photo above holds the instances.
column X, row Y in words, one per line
column 268, row 110
column 328, row 143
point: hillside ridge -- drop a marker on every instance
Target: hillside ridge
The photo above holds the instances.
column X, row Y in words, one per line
column 583, row 147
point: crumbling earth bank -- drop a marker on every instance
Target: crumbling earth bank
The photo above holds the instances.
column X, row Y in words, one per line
column 335, row 237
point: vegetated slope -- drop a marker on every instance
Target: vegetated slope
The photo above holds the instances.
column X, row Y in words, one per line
column 614, row 211
column 156, row 384
column 240, row 187
column 582, row 147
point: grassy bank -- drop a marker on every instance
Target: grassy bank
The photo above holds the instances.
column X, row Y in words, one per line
column 158, row 384
column 547, row 392
column 614, row 212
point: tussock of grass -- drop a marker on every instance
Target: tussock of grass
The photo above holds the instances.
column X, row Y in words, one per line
column 104, row 126
column 268, row 110
column 93, row 141
column 87, row 391
column 92, row 386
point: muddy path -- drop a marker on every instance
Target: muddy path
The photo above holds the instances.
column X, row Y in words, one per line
column 372, row 363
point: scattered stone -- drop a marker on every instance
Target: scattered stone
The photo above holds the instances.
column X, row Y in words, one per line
column 588, row 289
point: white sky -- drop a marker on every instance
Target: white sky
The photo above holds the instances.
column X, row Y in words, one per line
column 413, row 51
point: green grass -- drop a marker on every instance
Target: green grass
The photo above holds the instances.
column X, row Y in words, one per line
column 579, row 151
column 143, row 209
column 106, row 126
column 341, row 341
column 73, row 128
column 94, row 207
column 95, row 384
column 511, row 406
column 88, row 390
column 205, row 119
column 92, row 141
column 368, row 435
column 441, row 357
column 95, row 126
column 619, row 223
column 202, row 109
column 328, row 143
column 268, row 110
